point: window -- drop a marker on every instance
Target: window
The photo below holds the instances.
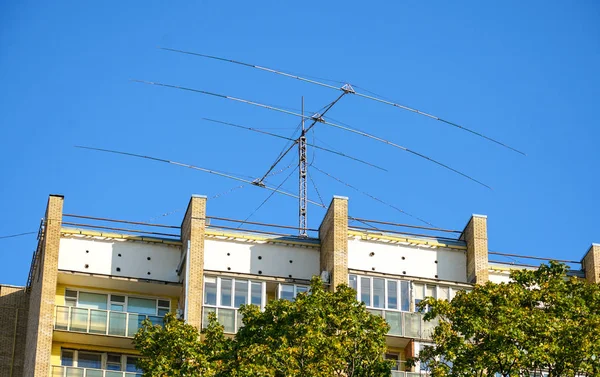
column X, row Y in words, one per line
column 67, row 358
column 92, row 300
column 241, row 293
column 365, row 290
column 141, row 305
column 256, row 294
column 223, row 296
column 392, row 288
column 210, row 291
column 378, row 293
column 97, row 360
column 89, row 360
column 131, row 364
column 116, row 303
column 113, row 362
column 286, row 292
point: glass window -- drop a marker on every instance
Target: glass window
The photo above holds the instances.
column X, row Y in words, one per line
column 241, row 293
column 418, row 294
column 89, row 360
column 287, row 292
column 141, row 305
column 210, row 291
column 352, row 282
column 70, row 298
column 256, row 294
column 66, row 358
column 365, row 290
column 444, row 293
column 226, row 286
column 301, row 289
column 378, row 293
column 117, row 303
column 405, row 296
column 430, row 291
column 92, row 300
column 131, row 364
column 164, row 306
column 227, row 319
column 392, row 294
column 452, row 293
column 113, row 362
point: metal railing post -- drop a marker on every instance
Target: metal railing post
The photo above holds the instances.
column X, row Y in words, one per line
column 69, row 314
column 106, row 332
column 89, row 318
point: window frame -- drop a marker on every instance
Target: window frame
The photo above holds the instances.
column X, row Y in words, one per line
column 103, row 360
column 110, row 301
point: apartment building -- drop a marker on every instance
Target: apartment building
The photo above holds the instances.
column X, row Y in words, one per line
column 94, row 280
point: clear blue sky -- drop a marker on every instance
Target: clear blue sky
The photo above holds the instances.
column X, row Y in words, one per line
column 526, row 73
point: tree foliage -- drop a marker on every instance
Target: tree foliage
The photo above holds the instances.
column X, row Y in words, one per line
column 541, row 320
column 322, row 333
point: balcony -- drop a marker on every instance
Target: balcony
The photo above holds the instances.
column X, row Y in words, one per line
column 58, row 371
column 100, row 322
column 407, row 324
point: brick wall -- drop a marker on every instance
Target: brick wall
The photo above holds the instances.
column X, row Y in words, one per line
column 333, row 235
column 193, row 230
column 14, row 304
column 475, row 235
column 591, row 264
column 43, row 291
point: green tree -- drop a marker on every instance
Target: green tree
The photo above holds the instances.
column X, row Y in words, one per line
column 321, row 333
column 542, row 320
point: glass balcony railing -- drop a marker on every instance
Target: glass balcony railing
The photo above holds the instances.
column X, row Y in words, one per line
column 397, row 373
column 59, row 371
column 102, row 322
column 407, row 324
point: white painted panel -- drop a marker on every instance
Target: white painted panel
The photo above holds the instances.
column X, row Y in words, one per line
column 133, row 259
column 407, row 260
column 499, row 277
column 261, row 258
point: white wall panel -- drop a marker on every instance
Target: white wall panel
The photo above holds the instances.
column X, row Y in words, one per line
column 407, row 260
column 119, row 258
column 261, row 258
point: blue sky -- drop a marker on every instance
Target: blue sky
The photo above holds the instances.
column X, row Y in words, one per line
column 525, row 73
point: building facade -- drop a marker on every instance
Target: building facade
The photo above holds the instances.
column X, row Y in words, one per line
column 91, row 285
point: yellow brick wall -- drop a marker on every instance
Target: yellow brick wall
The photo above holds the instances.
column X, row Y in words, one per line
column 333, row 235
column 475, row 235
column 193, row 230
column 591, row 264
column 14, row 305
column 43, row 294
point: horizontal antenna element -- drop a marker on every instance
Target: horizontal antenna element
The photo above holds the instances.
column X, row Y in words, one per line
column 262, row 185
column 320, row 119
column 347, row 88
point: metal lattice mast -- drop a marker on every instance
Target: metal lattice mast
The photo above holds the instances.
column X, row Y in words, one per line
column 302, row 192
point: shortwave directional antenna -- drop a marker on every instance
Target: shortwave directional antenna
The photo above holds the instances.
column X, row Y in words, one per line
column 301, row 141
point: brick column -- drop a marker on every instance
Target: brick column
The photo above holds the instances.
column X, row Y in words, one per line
column 192, row 230
column 333, row 234
column 409, row 352
column 591, row 264
column 475, row 235
column 43, row 291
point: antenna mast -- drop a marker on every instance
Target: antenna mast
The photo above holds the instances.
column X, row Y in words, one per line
column 302, row 192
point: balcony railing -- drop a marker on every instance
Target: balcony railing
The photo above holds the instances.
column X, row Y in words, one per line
column 58, row 371
column 397, row 373
column 407, row 324
column 102, row 322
